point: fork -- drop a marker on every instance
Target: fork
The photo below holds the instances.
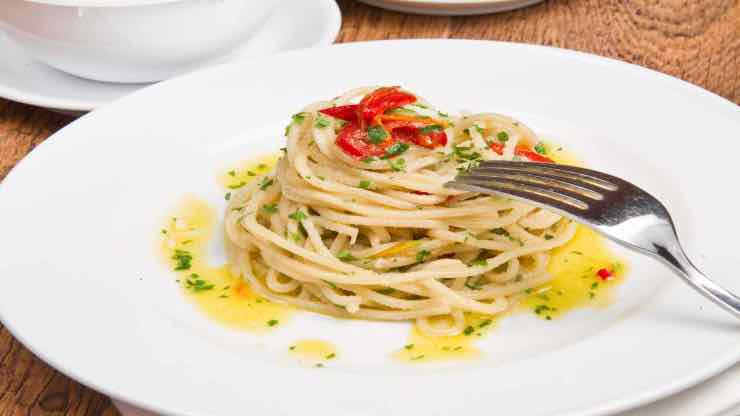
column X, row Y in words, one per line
column 612, row 206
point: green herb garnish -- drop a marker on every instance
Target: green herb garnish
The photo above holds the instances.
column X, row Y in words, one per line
column 298, row 118
column 183, row 259
column 422, row 255
column 265, row 183
column 322, row 122
column 397, row 164
column 540, row 148
column 430, row 129
column 395, row 149
column 345, row 256
column 364, row 184
column 270, row 208
column 376, row 134
column 298, row 216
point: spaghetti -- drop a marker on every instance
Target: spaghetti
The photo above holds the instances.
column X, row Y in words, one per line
column 355, row 221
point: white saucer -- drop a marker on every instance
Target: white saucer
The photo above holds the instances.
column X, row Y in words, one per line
column 451, row 7
column 295, row 25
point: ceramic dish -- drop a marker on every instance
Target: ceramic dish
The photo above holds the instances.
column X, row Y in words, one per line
column 293, row 26
column 87, row 291
column 452, row 7
column 132, row 42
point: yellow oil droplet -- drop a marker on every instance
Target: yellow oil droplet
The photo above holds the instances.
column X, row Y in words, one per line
column 561, row 155
column 423, row 348
column 241, row 174
column 219, row 294
column 313, row 352
column 576, row 282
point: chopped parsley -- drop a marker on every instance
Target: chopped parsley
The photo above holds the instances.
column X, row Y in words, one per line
column 430, row 129
column 369, row 159
column 232, row 173
column 376, row 134
column 500, row 231
column 250, row 173
column 196, row 284
column 418, row 357
column 345, row 256
column 474, row 285
column 541, row 308
column 298, row 216
column 322, row 122
column 386, row 291
column 485, row 323
column 266, row 183
column 540, row 148
column 270, row 208
column 395, row 149
column 503, row 136
column 480, row 263
column 237, row 186
column 298, row 118
column 183, row 259
column 227, row 196
column 422, row 255
column 397, row 164
column 364, row 184
column 408, row 346
column 330, row 356
column 468, row 331
column 548, row 237
column 272, row 322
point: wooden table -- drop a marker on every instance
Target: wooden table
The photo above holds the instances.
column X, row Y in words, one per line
column 696, row 40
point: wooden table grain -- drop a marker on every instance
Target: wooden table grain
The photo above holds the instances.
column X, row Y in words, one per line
column 696, row 40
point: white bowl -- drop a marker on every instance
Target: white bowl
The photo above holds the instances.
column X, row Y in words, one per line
column 131, row 40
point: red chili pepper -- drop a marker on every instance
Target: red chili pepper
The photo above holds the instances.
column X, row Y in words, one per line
column 523, row 151
column 353, row 140
column 532, row 155
column 604, row 274
column 412, row 131
column 342, row 112
column 381, row 100
column 420, row 193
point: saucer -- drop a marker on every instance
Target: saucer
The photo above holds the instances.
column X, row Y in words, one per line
column 451, row 7
column 295, row 25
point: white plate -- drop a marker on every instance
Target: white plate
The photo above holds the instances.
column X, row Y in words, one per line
column 85, row 291
column 295, row 25
column 452, row 7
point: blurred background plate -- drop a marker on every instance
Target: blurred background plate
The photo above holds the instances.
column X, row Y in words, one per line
column 295, row 25
column 451, row 7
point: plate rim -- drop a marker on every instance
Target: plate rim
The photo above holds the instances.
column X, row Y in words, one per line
column 616, row 405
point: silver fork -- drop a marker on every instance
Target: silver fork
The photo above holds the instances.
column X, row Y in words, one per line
column 612, row 206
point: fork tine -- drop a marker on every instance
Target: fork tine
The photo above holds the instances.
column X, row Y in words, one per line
column 534, row 194
column 563, row 172
column 576, row 187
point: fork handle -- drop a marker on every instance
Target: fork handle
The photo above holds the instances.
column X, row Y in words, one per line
column 677, row 259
